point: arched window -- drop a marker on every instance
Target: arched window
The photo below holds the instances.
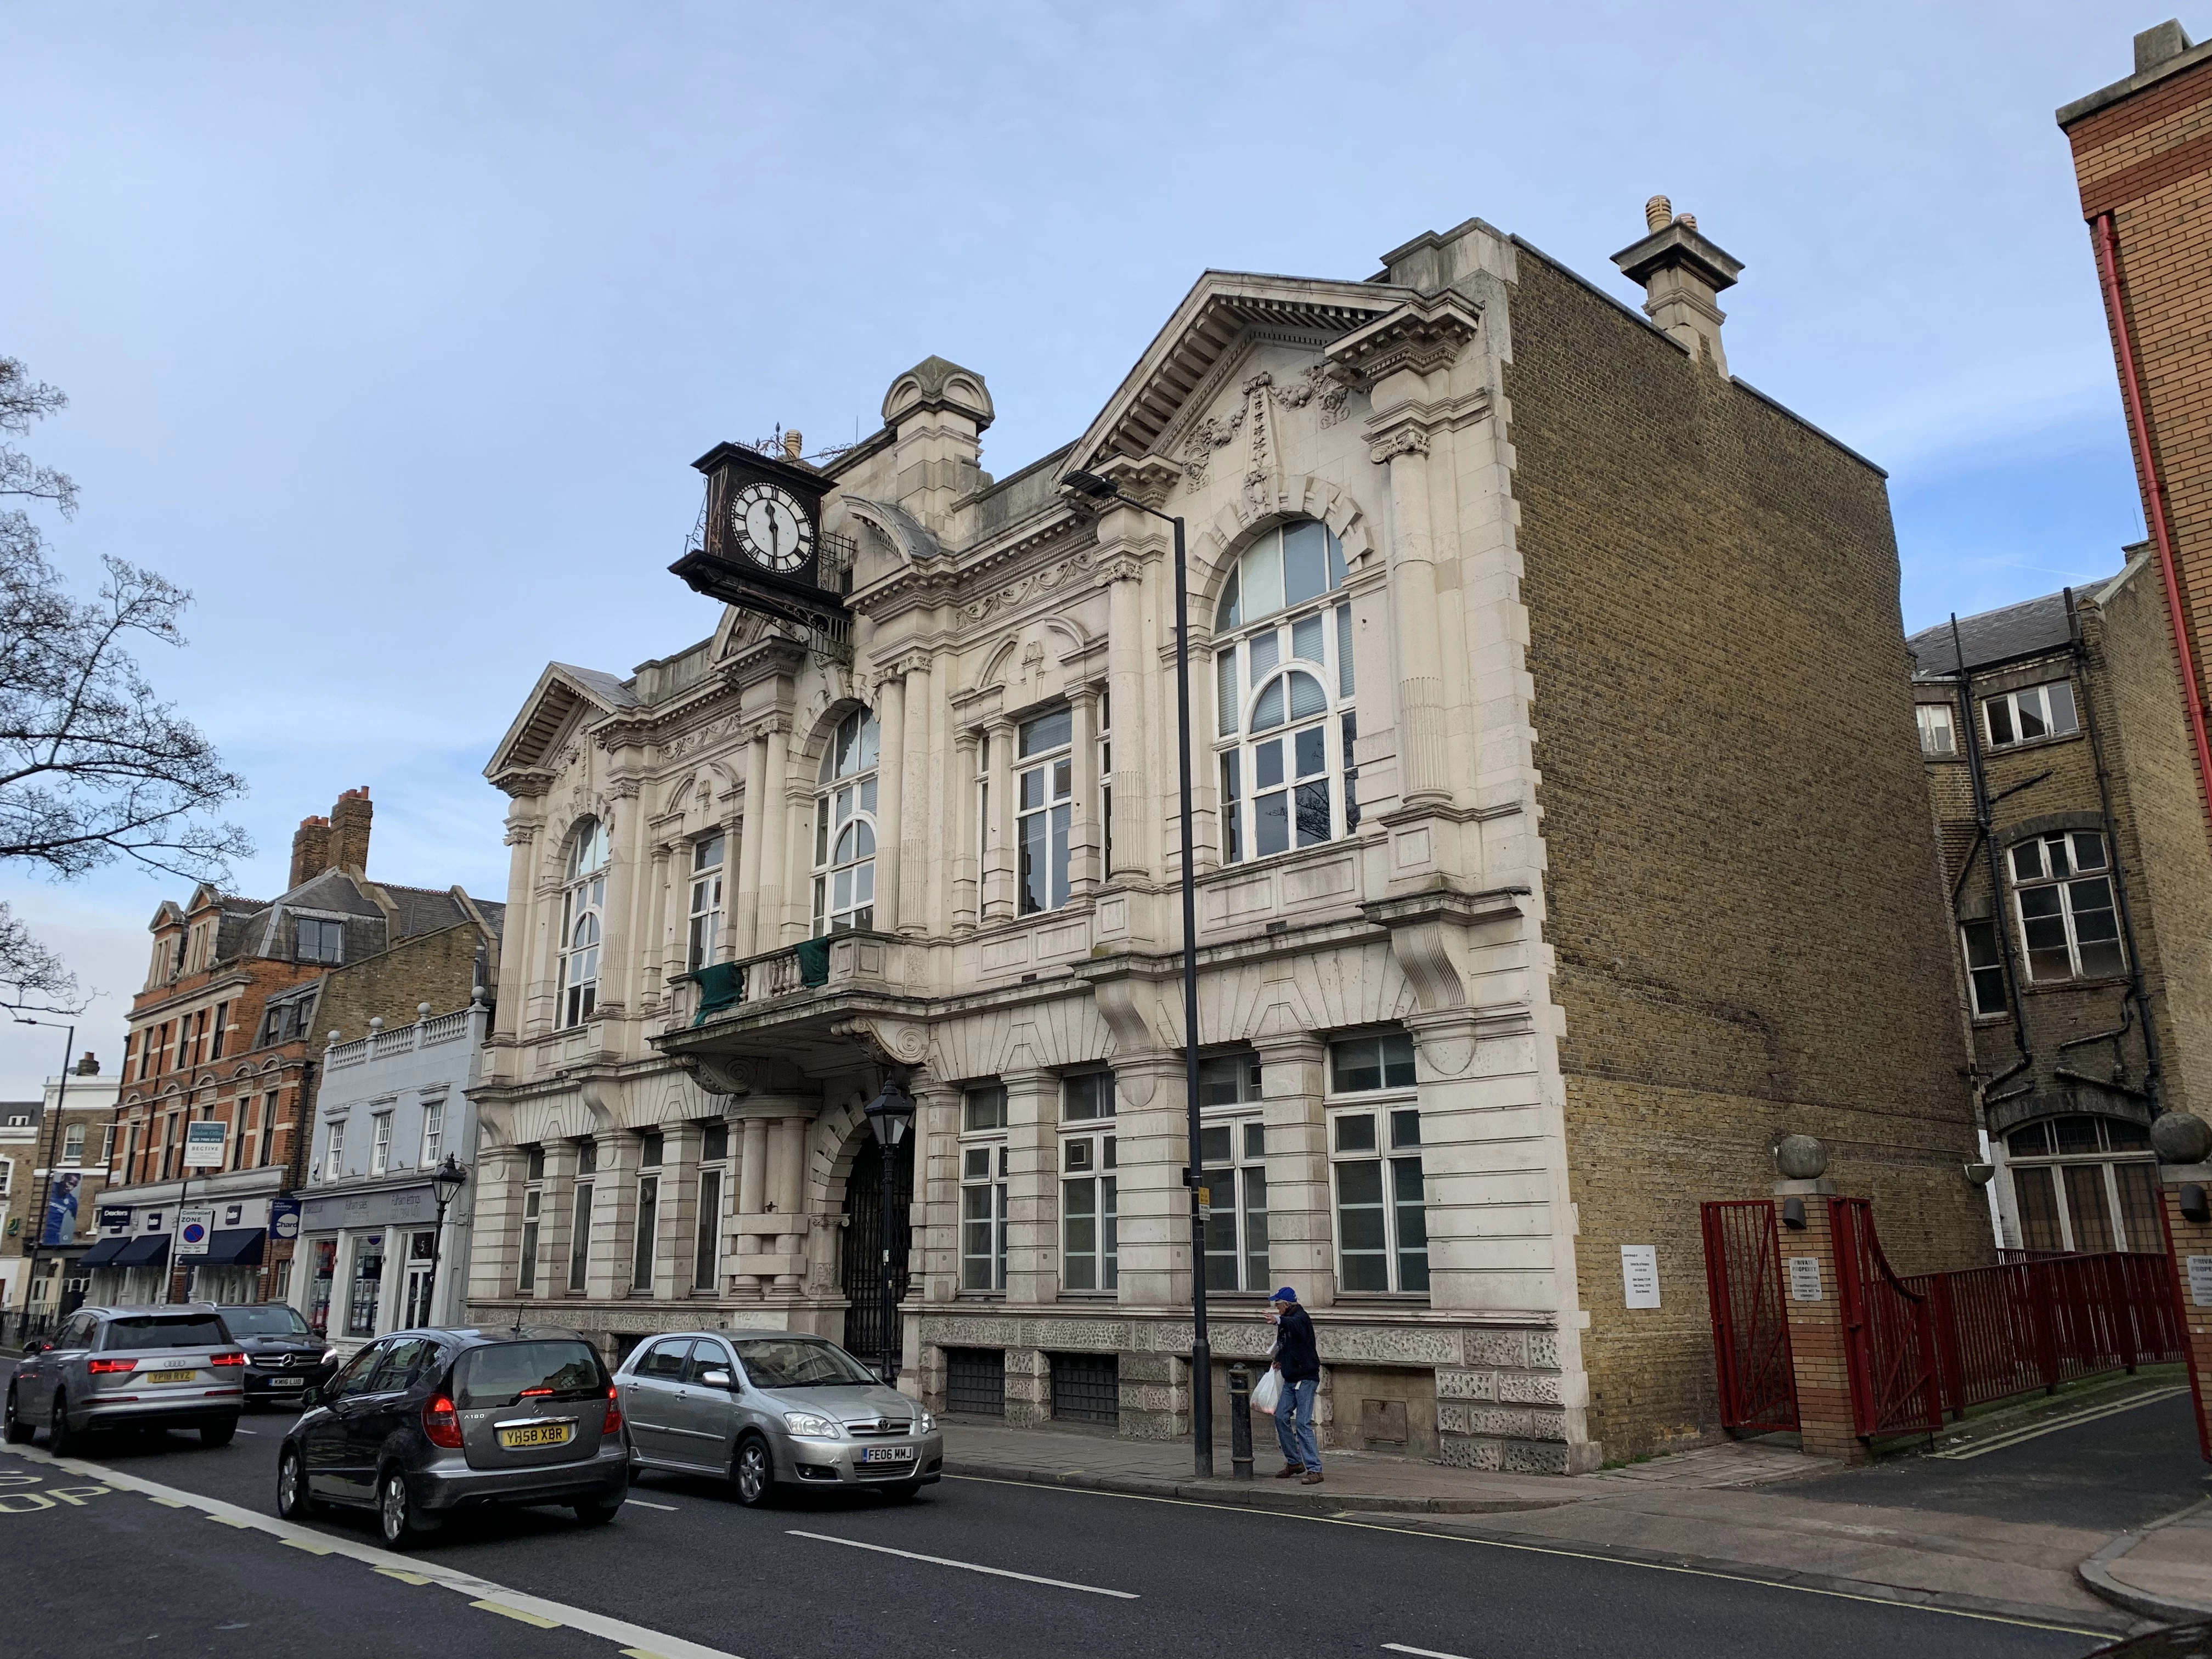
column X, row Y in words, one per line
column 581, row 907
column 1283, row 685
column 845, row 828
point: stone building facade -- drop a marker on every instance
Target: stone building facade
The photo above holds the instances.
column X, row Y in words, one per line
column 2064, row 794
column 1539, row 889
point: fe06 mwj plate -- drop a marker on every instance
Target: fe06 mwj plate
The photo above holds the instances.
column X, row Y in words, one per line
column 885, row 1454
column 541, row 1434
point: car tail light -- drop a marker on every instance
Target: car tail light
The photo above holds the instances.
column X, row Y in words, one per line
column 531, row 1393
column 441, row 1423
column 101, row 1367
column 228, row 1359
column 613, row 1425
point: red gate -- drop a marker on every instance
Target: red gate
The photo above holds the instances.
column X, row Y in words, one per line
column 1751, row 1329
column 1889, row 1334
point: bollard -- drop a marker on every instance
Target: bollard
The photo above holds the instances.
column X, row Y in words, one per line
column 1240, row 1422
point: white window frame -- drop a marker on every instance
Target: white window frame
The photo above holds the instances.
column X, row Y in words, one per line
column 2107, row 1160
column 73, row 1144
column 645, row 1245
column 380, row 1143
column 845, row 830
column 983, row 1188
column 583, row 914
column 334, row 1149
column 533, row 1203
column 1939, row 728
column 2006, row 716
column 712, row 1196
column 1045, row 810
column 1393, row 1112
column 2058, row 888
column 1281, row 768
column 1232, row 1150
column 1090, row 1189
column 703, row 941
column 7, row 1176
column 433, row 1134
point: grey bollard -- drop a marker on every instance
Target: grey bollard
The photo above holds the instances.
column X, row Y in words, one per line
column 1240, row 1422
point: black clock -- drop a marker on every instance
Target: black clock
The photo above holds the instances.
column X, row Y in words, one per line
column 772, row 527
column 760, row 545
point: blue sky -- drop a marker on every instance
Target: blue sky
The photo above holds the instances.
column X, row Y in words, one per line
column 391, row 330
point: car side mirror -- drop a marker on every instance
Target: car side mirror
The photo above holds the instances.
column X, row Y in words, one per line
column 34, row 1345
column 716, row 1379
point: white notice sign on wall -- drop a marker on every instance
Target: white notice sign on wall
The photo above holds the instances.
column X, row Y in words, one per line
column 2200, row 1281
column 1639, row 1274
column 1804, row 1278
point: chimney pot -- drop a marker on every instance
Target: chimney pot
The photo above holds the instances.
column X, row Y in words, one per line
column 793, row 445
column 1657, row 213
column 1689, row 221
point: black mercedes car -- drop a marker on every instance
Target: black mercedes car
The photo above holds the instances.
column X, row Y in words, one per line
column 286, row 1362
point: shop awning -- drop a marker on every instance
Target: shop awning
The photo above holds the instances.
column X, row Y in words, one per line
column 146, row 1251
column 234, row 1247
column 103, row 1254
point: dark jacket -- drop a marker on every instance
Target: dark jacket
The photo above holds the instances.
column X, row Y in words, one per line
column 1297, row 1357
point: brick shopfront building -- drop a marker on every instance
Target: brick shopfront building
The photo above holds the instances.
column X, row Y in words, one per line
column 1540, row 888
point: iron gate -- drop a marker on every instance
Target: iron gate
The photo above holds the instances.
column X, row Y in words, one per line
column 1751, row 1327
column 862, row 1279
column 1889, row 1333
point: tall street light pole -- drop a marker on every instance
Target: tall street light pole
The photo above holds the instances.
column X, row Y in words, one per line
column 445, row 1184
column 1201, row 1351
column 47, row 1186
column 889, row 1114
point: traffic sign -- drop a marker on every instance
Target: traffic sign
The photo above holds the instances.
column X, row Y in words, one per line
column 194, row 1228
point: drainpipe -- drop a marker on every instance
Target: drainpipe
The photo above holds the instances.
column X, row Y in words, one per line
column 1982, row 821
column 2108, row 273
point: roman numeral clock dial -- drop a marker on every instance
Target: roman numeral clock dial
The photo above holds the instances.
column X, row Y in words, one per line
column 772, row 528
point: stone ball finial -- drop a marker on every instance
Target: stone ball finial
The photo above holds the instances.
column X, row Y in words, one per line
column 1658, row 213
column 376, row 1022
column 422, row 1010
column 1800, row 1158
column 2181, row 1138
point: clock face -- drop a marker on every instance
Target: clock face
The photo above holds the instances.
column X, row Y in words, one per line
column 771, row 528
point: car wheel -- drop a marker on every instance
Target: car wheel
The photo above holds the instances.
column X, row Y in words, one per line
column 293, row 1502
column 598, row 1512
column 61, row 1440
column 17, row 1430
column 397, row 1518
column 753, row 1471
column 219, row 1434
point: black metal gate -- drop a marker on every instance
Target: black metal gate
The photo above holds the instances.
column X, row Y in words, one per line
column 864, row 1231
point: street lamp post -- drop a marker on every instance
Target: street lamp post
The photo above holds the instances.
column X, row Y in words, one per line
column 1201, row 1351
column 889, row 1114
column 46, row 1187
column 446, row 1183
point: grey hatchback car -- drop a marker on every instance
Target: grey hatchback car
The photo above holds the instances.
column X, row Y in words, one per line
column 765, row 1408
column 422, row 1423
column 128, row 1368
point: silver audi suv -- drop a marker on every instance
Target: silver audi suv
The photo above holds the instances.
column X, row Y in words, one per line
column 762, row 1408
column 136, row 1368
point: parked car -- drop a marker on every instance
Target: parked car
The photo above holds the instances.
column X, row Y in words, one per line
column 422, row 1423
column 138, row 1368
column 765, row 1408
column 287, row 1364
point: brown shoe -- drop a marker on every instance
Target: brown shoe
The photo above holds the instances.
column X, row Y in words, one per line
column 1313, row 1478
column 1289, row 1470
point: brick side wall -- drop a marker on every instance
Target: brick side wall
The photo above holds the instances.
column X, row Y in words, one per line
column 1742, row 886
column 433, row 967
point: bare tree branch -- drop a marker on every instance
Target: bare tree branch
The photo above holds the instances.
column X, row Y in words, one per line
column 28, row 969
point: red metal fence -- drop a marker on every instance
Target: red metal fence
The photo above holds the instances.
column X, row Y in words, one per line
column 1750, row 1330
column 1889, row 1331
column 2037, row 1323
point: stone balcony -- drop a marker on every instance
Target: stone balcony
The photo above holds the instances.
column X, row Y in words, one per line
column 794, row 1003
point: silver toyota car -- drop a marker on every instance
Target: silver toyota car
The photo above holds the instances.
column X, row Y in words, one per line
column 134, row 1368
column 764, row 1408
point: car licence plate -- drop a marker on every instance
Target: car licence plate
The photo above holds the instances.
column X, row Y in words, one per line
column 288, row 1381
column 546, row 1434
column 885, row 1454
column 184, row 1376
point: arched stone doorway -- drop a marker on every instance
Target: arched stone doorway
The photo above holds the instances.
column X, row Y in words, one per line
column 865, row 1236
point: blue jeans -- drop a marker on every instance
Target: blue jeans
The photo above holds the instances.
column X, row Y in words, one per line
column 1294, row 1424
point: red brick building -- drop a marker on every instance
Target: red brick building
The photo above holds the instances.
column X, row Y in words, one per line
column 2143, row 158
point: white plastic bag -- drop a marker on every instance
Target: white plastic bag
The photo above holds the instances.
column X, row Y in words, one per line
column 1269, row 1391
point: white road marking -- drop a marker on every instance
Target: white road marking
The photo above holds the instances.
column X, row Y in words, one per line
column 2073, row 1419
column 642, row 1504
column 510, row 1601
column 966, row 1566
column 1425, row 1653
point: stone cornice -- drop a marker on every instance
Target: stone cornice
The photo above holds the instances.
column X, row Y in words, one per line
column 1426, row 333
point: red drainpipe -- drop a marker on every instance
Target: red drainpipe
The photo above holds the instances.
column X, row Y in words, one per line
column 2108, row 271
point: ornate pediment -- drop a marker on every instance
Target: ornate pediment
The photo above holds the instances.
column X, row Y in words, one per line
column 551, row 713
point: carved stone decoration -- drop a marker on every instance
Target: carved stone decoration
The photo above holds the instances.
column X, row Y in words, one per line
column 1209, row 434
column 1405, row 440
column 1074, row 567
column 1259, row 428
column 888, row 1041
column 1424, row 335
column 719, row 1074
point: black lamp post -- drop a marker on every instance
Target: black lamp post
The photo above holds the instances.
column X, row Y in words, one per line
column 888, row 1115
column 446, row 1183
column 1201, row 1351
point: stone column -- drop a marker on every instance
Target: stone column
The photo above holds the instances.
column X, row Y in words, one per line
column 917, row 875
column 1816, row 1325
column 744, row 908
column 890, row 799
column 752, row 1197
column 1415, row 645
column 999, row 852
column 1126, row 651
column 657, row 945
column 1032, row 1186
column 1028, row 1388
column 620, row 959
column 1085, row 835
column 522, row 986
column 679, row 1206
column 1150, row 1135
column 772, row 820
column 495, row 1258
column 791, row 1203
column 614, row 1215
column 1301, row 1240
column 557, row 1213
column 966, row 861
column 935, row 1218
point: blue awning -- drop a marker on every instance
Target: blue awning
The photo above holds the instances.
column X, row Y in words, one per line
column 103, row 1254
column 146, row 1251
column 234, row 1247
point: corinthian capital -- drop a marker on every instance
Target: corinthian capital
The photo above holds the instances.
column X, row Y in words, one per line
column 1407, row 440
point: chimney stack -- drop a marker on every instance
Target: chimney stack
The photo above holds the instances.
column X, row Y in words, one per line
column 311, row 851
column 2161, row 45
column 350, row 832
column 89, row 1065
column 1682, row 274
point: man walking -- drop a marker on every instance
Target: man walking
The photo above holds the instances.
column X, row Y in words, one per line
column 1299, row 1362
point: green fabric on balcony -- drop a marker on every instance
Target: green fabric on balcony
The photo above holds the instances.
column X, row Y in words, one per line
column 814, row 962
column 721, row 985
